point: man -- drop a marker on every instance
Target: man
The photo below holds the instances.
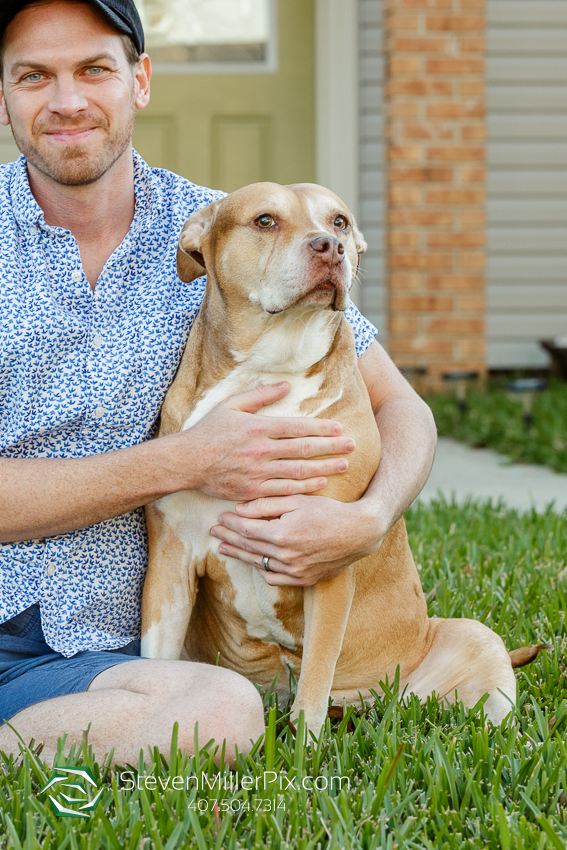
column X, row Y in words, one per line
column 94, row 319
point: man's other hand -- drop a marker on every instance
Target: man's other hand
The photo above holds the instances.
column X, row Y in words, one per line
column 309, row 539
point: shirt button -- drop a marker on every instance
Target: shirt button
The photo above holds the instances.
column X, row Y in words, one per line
column 50, row 570
column 99, row 412
column 33, row 230
column 76, row 276
column 98, row 341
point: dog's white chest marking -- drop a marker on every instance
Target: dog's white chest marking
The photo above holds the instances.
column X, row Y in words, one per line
column 255, row 601
column 285, row 352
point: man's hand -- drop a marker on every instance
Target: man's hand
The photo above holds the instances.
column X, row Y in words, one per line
column 244, row 456
column 310, row 539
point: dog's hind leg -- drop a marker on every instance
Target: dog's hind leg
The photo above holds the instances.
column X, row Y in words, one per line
column 467, row 657
column 326, row 610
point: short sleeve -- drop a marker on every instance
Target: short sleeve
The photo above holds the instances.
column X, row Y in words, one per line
column 364, row 331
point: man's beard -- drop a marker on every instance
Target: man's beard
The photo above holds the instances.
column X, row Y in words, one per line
column 76, row 164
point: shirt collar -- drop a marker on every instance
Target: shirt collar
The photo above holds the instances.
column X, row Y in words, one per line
column 149, row 194
column 26, row 208
column 150, row 200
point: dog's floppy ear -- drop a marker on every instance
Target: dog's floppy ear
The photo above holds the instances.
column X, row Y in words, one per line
column 359, row 240
column 360, row 243
column 190, row 262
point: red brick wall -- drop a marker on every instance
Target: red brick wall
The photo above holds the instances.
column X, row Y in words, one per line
column 435, row 150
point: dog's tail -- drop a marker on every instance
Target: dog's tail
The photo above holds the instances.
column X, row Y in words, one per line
column 526, row 654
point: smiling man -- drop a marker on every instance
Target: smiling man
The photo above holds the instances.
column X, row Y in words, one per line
column 94, row 320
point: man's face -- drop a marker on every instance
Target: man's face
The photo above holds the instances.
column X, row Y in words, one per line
column 69, row 92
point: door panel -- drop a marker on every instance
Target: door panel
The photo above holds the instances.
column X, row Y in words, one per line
column 227, row 130
column 241, row 150
column 158, row 136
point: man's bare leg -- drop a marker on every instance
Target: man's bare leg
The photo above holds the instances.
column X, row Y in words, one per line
column 136, row 703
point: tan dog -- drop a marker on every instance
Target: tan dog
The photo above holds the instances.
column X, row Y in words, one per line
column 280, row 262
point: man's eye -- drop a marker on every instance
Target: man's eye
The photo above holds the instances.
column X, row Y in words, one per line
column 341, row 221
column 94, row 71
column 265, row 221
column 34, row 78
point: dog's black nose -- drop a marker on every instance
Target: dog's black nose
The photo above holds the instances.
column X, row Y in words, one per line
column 329, row 248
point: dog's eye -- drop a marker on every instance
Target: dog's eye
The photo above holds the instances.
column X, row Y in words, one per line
column 264, row 221
column 341, row 222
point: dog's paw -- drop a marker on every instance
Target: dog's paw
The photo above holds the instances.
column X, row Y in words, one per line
column 313, row 718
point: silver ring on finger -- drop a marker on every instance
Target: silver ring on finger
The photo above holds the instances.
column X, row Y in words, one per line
column 265, row 560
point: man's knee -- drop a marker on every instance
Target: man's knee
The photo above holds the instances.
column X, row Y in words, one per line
column 230, row 709
column 225, row 705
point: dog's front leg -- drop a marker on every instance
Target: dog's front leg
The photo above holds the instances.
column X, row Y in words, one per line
column 326, row 610
column 169, row 590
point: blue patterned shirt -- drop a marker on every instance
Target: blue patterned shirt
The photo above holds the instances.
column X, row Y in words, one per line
column 85, row 372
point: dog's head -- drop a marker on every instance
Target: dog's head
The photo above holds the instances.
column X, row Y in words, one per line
column 276, row 247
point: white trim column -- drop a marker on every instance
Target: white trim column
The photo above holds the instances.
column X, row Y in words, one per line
column 337, row 108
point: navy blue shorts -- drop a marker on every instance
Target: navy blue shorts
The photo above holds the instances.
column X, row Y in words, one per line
column 30, row 671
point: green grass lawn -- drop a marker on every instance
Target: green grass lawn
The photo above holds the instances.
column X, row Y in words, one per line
column 495, row 420
column 420, row 776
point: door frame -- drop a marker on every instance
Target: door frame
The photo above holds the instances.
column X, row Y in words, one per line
column 337, row 159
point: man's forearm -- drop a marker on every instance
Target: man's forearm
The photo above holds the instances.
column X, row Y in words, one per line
column 44, row 497
column 409, row 438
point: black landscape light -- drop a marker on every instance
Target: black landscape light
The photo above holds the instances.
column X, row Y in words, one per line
column 525, row 390
column 461, row 381
column 557, row 347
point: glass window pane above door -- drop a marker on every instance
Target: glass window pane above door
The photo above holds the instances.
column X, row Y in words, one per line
column 208, row 32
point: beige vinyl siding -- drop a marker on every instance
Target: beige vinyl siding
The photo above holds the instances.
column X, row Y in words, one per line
column 8, row 149
column 371, row 218
column 527, row 179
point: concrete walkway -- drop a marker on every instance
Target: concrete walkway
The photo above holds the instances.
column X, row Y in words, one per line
column 484, row 474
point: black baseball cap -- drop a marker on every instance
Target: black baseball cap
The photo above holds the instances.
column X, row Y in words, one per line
column 121, row 14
